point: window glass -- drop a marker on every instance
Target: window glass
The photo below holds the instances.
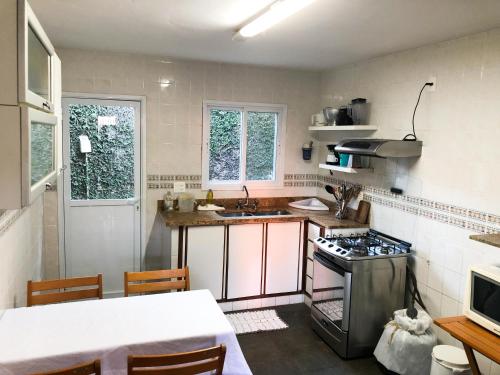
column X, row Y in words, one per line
column 243, row 145
column 225, row 145
column 42, row 151
column 102, row 149
column 38, row 66
column 261, row 145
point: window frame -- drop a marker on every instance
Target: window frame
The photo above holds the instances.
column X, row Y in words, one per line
column 244, row 107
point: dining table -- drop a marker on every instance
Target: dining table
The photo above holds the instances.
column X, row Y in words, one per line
column 44, row 338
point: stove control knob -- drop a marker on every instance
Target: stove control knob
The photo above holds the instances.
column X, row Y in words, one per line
column 331, row 245
column 343, row 252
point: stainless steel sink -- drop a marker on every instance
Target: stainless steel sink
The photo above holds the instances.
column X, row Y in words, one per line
column 234, row 214
column 272, row 213
column 250, row 214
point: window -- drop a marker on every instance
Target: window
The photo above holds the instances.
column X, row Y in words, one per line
column 242, row 145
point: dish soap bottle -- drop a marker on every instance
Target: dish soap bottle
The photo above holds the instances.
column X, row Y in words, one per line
column 210, row 196
column 168, row 201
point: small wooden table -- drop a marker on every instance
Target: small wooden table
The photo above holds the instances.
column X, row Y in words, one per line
column 473, row 337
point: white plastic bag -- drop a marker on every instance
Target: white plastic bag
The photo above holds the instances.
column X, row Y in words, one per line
column 406, row 344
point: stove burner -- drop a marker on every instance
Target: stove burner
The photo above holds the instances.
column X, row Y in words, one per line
column 370, row 244
column 384, row 249
column 359, row 251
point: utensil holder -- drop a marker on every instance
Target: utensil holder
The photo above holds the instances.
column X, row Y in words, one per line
column 341, row 210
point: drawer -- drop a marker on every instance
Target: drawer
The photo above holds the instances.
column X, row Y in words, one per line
column 309, row 285
column 313, row 231
column 310, row 249
column 309, row 268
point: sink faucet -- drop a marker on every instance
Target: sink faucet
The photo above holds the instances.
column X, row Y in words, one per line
column 240, row 205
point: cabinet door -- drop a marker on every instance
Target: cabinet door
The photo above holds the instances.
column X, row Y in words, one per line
column 10, row 157
column 283, row 257
column 205, row 258
column 244, row 264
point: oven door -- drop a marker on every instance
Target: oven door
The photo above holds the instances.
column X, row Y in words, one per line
column 331, row 291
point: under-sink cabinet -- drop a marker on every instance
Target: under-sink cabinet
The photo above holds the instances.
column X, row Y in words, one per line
column 240, row 261
column 244, row 266
column 283, row 258
column 205, row 258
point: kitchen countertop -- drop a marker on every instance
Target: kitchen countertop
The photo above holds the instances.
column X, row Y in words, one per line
column 490, row 239
column 323, row 218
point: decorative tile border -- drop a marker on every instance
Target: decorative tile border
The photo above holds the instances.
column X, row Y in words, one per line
column 459, row 218
column 9, row 217
column 157, row 181
column 173, row 177
column 472, row 219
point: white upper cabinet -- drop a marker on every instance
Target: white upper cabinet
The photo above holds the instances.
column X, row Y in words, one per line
column 30, row 99
column 27, row 56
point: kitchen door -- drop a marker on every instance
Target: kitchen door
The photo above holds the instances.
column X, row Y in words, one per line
column 101, row 156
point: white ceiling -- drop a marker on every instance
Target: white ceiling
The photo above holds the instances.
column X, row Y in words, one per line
column 325, row 34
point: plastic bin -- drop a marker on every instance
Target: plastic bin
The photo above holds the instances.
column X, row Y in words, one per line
column 449, row 360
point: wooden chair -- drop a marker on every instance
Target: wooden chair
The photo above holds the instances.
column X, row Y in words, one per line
column 188, row 363
column 159, row 281
column 62, row 296
column 87, row 368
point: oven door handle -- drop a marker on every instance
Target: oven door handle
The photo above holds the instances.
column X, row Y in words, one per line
column 328, row 264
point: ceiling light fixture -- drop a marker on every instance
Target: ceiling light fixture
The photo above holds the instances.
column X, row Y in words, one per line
column 275, row 13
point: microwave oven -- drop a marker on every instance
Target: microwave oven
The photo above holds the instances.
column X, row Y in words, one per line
column 482, row 297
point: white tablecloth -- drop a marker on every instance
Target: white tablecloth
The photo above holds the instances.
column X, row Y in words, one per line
column 43, row 338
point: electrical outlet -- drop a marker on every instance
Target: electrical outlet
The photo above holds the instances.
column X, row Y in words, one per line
column 432, row 88
column 179, row 187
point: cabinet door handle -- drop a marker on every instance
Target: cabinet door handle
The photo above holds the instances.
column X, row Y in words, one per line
column 46, row 105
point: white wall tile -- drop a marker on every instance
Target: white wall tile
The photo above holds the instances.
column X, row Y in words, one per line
column 174, row 113
column 254, row 303
column 282, row 300
column 226, row 306
column 240, row 305
column 21, row 247
column 268, row 302
column 296, row 298
column 451, row 284
column 435, row 279
column 468, row 74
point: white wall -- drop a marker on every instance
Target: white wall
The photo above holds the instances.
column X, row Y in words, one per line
column 174, row 114
column 451, row 191
column 21, row 242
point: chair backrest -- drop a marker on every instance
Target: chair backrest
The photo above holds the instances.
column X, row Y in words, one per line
column 88, row 368
column 55, row 295
column 188, row 363
column 156, row 281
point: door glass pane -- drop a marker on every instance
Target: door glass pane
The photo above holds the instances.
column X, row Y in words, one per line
column 42, row 151
column 261, row 145
column 101, row 151
column 38, row 66
column 225, row 145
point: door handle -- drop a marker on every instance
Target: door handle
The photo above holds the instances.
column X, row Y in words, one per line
column 133, row 201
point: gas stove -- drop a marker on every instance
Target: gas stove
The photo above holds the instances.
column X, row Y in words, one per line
column 360, row 246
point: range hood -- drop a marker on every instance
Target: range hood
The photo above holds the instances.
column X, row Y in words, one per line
column 382, row 148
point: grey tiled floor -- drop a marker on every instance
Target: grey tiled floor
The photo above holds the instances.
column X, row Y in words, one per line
column 298, row 350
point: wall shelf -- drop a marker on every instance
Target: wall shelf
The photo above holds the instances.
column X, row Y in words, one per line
column 344, row 128
column 345, row 169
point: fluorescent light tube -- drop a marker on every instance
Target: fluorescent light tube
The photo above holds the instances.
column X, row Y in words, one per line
column 277, row 12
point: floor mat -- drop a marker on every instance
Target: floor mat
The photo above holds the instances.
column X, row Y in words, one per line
column 256, row 321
